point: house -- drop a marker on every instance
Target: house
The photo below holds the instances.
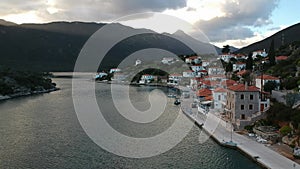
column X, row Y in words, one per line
column 100, row 75
column 219, row 98
column 197, row 67
column 262, row 53
column 205, row 63
column 193, row 60
column 113, row 70
column 209, row 84
column 188, row 73
column 226, row 57
column 168, row 60
column 227, row 83
column 238, row 66
column 138, row 62
column 281, row 58
column 174, row 79
column 267, row 78
column 205, row 97
column 244, row 105
column 214, row 70
column 147, row 79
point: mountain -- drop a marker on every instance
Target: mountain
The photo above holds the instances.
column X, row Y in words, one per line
column 284, row 36
column 55, row 46
column 6, row 23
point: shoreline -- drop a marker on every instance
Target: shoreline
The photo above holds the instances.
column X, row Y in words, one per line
column 24, row 94
column 262, row 155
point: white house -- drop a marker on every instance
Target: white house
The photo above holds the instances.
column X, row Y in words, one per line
column 118, row 76
column 205, row 63
column 265, row 79
column 193, row 59
column 216, row 70
column 197, row 68
column 262, row 53
column 188, row 73
column 219, row 98
column 239, row 66
column 174, row 79
column 147, row 78
column 168, row 60
column 113, row 70
column 226, row 57
column 100, row 75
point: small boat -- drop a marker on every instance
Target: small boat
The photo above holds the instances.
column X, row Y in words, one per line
column 177, row 102
column 199, row 125
column 229, row 144
column 171, row 95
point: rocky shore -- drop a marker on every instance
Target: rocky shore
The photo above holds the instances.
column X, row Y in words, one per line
column 27, row 93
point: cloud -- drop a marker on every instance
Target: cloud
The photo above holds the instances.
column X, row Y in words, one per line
column 238, row 17
column 87, row 10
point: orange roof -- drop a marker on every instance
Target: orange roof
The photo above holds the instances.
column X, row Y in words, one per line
column 268, row 77
column 193, row 57
column 228, row 82
column 281, row 57
column 204, row 92
column 240, row 63
column 243, row 72
column 209, row 98
column 243, row 88
column 220, row 90
column 210, row 82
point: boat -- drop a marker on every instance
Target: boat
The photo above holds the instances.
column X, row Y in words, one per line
column 177, row 102
column 171, row 95
column 229, row 144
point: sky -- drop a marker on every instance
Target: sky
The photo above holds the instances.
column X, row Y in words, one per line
column 234, row 22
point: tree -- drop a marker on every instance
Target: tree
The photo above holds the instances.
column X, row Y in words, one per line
column 226, row 49
column 270, row 85
column 249, row 62
column 271, row 54
column 229, row 67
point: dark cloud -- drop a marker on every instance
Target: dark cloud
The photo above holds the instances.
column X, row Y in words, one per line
column 239, row 16
column 88, row 10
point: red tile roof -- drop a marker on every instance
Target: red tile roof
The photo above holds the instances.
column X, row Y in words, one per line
column 228, row 83
column 243, row 88
column 209, row 98
column 220, row 90
column 281, row 58
column 268, row 77
column 175, row 74
column 243, row 72
column 193, row 57
column 204, row 92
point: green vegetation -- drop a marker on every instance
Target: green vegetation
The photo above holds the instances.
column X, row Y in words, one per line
column 285, row 130
column 271, row 54
column 270, row 85
column 12, row 82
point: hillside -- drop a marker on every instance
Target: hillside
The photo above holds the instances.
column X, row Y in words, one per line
column 55, row 46
column 289, row 35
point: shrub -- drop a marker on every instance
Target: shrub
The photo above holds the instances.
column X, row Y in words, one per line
column 285, row 130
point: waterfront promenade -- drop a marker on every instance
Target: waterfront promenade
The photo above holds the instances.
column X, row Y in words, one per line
column 221, row 131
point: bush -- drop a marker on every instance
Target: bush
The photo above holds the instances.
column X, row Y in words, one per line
column 285, row 130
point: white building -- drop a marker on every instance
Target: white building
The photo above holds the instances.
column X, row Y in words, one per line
column 219, row 98
column 147, row 78
column 205, row 63
column 188, row 73
column 226, row 57
column 197, row 68
column 100, row 75
column 262, row 53
column 193, row 59
column 118, row 76
column 113, row 70
column 174, row 79
column 239, row 66
column 216, row 70
column 265, row 79
column 168, row 60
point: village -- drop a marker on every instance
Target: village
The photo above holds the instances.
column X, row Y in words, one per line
column 235, row 87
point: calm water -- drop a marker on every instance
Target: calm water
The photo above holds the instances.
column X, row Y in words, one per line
column 43, row 132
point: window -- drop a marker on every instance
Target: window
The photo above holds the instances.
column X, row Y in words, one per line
column 219, row 97
column 232, row 95
column 251, row 96
column 242, row 107
column 242, row 96
column 243, row 117
column 250, row 107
